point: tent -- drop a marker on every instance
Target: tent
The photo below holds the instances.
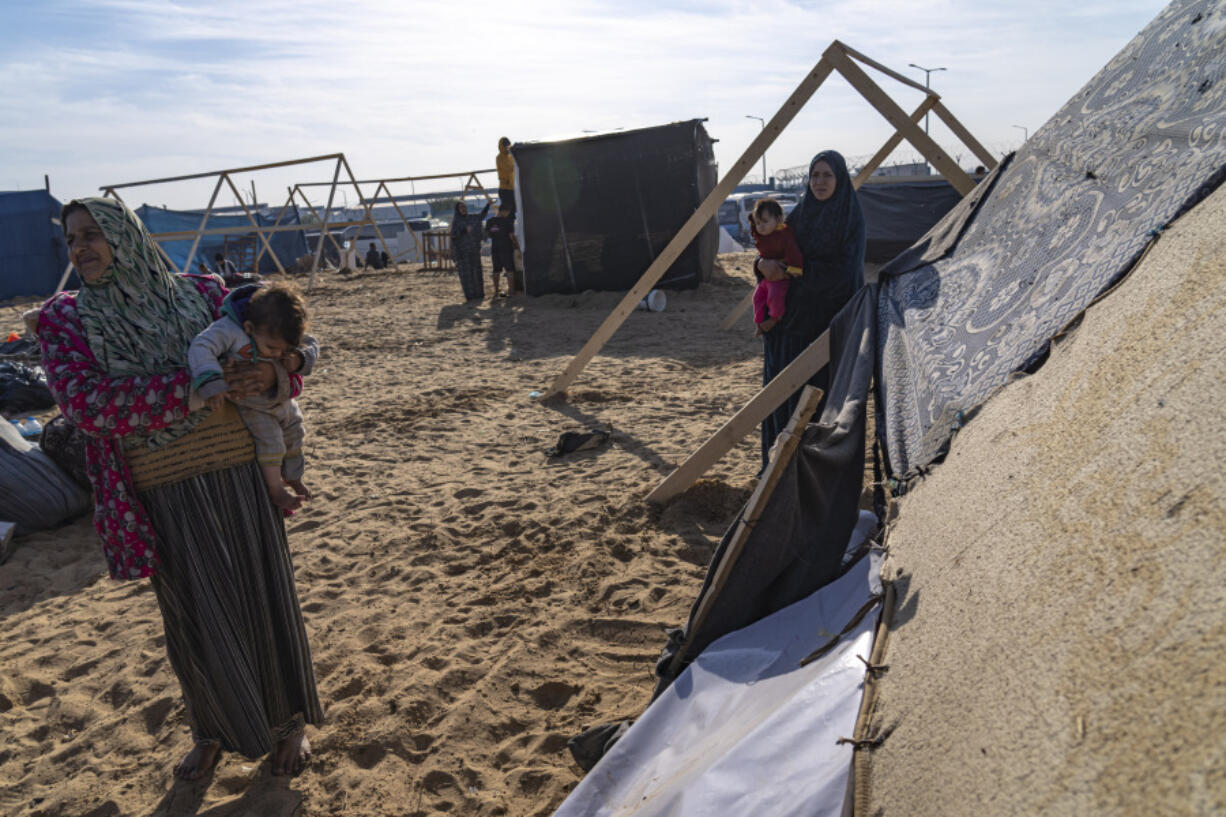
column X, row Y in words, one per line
column 595, row 211
column 899, row 213
column 33, row 254
column 955, row 318
column 289, row 245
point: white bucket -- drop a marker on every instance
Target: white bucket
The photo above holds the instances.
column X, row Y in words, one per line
column 654, row 302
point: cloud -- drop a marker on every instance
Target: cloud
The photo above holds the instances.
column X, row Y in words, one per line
column 125, row 89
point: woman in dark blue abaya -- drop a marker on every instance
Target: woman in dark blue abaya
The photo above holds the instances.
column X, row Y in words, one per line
column 829, row 227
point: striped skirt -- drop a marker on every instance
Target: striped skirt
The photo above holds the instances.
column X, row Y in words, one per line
column 234, row 630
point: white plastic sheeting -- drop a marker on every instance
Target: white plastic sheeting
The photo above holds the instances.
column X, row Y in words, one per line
column 746, row 729
column 727, row 243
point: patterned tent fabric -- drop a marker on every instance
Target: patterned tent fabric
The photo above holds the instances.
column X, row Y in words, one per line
column 1140, row 144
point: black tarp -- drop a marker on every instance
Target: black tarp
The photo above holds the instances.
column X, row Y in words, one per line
column 798, row 544
column 595, row 212
column 899, row 213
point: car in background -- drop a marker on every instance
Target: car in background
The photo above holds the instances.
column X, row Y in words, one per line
column 733, row 214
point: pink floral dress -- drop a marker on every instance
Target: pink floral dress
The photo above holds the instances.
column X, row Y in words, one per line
column 109, row 409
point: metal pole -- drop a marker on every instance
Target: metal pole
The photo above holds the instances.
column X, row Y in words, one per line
column 761, row 122
column 1025, row 132
column 927, row 74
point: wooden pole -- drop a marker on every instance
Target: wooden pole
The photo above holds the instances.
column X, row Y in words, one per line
column 693, row 225
column 737, row 311
column 187, row 265
column 865, row 172
column 959, row 130
column 211, row 173
column 895, row 115
column 369, row 215
column 258, row 229
column 399, row 212
column 297, row 191
column 319, row 248
column 785, row 447
column 773, row 394
column 891, row 143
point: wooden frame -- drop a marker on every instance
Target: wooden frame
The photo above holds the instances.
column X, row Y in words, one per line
column 785, row 446
column 837, row 56
column 471, row 182
column 786, row 383
column 930, row 101
column 262, row 232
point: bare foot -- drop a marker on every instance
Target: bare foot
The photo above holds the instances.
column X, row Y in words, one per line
column 283, row 499
column 199, row 761
column 291, row 755
column 299, row 488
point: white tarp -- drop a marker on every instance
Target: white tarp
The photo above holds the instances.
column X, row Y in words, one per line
column 746, row 730
column 727, row 243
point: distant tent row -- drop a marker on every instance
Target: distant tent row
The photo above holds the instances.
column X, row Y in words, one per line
column 33, row 254
column 241, row 246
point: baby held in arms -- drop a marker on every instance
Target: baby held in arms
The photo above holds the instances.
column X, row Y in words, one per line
column 775, row 242
column 260, row 322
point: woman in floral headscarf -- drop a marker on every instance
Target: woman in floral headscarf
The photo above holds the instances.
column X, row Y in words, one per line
column 212, row 544
column 830, row 230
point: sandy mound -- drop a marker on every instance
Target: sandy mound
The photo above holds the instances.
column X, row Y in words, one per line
column 1060, row 645
column 471, row 603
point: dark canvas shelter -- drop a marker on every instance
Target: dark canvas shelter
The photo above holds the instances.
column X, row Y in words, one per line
column 33, row 254
column 596, row 211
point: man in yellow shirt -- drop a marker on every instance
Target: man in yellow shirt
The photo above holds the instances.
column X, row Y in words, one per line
column 506, row 174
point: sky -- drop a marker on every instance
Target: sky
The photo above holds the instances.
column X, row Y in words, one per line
column 104, row 92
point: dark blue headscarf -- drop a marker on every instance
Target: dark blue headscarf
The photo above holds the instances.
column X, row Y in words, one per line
column 831, row 234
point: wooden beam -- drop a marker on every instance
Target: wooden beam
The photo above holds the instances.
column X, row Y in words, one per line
column 399, row 212
column 187, row 265
column 693, row 225
column 865, row 172
column 851, row 52
column 773, row 394
column 361, row 200
column 319, row 248
column 891, row 143
column 737, row 311
column 220, row 172
column 340, row 252
column 895, row 115
column 959, row 130
column 462, row 174
column 258, row 228
column 785, row 447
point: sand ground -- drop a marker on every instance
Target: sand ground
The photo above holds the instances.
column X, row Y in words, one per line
column 471, row 603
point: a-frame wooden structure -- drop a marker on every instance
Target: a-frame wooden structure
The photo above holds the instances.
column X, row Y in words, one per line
column 836, row 57
column 847, row 61
column 471, row 183
column 262, row 231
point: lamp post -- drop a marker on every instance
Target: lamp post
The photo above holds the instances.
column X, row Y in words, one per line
column 928, row 72
column 761, row 122
column 1025, row 132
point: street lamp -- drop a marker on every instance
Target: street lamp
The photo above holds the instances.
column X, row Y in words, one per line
column 762, row 122
column 1025, row 132
column 928, row 72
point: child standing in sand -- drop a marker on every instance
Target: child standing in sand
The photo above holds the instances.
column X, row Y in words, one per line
column 259, row 322
column 503, row 244
column 775, row 242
